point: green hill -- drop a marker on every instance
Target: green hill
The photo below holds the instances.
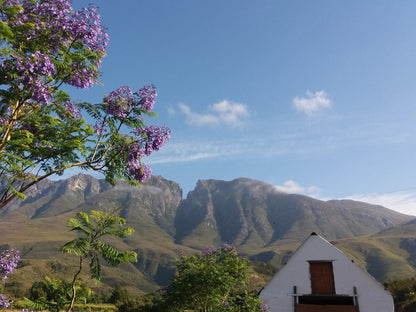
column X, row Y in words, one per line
column 264, row 224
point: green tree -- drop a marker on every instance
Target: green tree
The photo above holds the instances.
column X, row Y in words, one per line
column 46, row 47
column 55, row 294
column 212, row 281
column 118, row 294
column 93, row 228
column 404, row 294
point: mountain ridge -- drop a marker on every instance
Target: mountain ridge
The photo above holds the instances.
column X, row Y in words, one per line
column 263, row 223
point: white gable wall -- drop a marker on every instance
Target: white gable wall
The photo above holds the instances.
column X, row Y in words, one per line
column 278, row 291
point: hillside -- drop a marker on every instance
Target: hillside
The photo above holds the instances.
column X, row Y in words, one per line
column 252, row 214
column 263, row 224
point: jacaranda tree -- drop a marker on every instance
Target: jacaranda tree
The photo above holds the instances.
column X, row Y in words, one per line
column 93, row 228
column 212, row 281
column 8, row 262
column 45, row 47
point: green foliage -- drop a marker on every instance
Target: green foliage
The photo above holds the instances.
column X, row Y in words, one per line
column 46, row 46
column 404, row 294
column 119, row 294
column 210, row 282
column 55, row 294
column 149, row 303
column 92, row 228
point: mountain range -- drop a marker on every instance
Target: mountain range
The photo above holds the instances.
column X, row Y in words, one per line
column 264, row 224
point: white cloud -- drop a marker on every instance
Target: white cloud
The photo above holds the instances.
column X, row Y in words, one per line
column 193, row 151
column 224, row 112
column 401, row 201
column 291, row 186
column 313, row 102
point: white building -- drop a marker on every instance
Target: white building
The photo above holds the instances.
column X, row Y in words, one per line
column 320, row 278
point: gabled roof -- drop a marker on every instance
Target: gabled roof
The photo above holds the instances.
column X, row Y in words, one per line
column 349, row 279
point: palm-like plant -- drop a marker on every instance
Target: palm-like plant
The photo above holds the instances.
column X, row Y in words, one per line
column 54, row 294
column 89, row 246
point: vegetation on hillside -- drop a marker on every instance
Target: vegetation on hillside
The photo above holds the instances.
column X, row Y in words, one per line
column 404, row 294
column 216, row 280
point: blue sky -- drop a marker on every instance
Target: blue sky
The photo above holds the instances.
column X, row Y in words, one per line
column 315, row 97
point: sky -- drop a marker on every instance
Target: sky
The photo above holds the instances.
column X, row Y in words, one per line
column 314, row 97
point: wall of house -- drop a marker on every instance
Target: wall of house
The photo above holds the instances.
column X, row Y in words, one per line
column 278, row 292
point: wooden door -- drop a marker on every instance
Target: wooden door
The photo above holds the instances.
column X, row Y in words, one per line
column 322, row 277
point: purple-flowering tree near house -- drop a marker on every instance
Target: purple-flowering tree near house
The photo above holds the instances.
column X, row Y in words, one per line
column 211, row 282
column 44, row 47
column 8, row 262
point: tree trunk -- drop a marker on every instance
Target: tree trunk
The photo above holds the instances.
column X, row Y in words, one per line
column 74, row 291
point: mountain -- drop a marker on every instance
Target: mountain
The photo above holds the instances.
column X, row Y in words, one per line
column 252, row 214
column 264, row 225
column 388, row 254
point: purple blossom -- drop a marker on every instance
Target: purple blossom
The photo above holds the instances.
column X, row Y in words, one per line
column 149, row 139
column 210, row 250
column 40, row 91
column 265, row 307
column 153, row 137
column 73, row 110
column 33, row 73
column 4, row 302
column 99, row 128
column 119, row 102
column 226, row 246
column 82, row 77
column 4, row 121
column 86, row 25
column 134, row 166
column 42, row 63
column 122, row 100
column 58, row 28
column 11, row 2
column 147, row 96
column 8, row 262
column 139, row 172
column 225, row 303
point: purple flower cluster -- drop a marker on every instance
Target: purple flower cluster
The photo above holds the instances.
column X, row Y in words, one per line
column 211, row 250
column 152, row 138
column 121, row 101
column 4, row 302
column 56, row 18
column 32, row 71
column 82, row 77
column 86, row 26
column 57, row 31
column 3, row 121
column 99, row 128
column 147, row 96
column 73, row 110
column 225, row 246
column 138, row 171
column 8, row 262
column 36, row 63
column 265, row 307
